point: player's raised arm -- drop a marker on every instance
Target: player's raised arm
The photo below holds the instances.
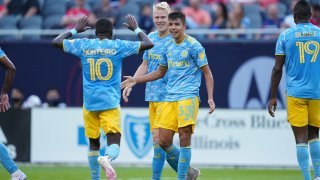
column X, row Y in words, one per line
column 131, row 24
column 131, row 81
column 275, row 80
column 81, row 26
column 210, row 86
column 10, row 73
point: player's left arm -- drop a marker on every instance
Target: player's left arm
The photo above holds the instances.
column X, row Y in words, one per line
column 9, row 77
column 210, row 86
column 81, row 26
column 275, row 80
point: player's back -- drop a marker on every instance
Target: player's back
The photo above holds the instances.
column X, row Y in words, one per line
column 101, row 69
column 301, row 48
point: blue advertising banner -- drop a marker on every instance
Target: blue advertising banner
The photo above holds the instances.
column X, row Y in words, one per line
column 242, row 73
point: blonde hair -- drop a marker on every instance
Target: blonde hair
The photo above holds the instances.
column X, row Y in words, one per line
column 163, row 6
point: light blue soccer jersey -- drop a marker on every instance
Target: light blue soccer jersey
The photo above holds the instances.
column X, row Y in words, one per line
column 101, row 69
column 184, row 61
column 301, row 47
column 2, row 53
column 156, row 91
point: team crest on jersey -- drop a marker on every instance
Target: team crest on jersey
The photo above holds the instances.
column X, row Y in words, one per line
column 138, row 136
column 184, row 53
column 201, row 55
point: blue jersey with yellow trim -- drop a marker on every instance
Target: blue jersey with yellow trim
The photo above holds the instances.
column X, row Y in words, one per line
column 300, row 45
column 184, row 61
column 2, row 53
column 101, row 69
column 156, row 91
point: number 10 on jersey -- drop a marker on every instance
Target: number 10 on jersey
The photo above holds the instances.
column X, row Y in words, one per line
column 95, row 69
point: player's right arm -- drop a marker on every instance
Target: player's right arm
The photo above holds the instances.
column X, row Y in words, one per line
column 81, row 26
column 142, row 70
column 277, row 74
column 131, row 81
column 10, row 73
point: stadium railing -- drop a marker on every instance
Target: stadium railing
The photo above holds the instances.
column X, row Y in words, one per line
column 216, row 34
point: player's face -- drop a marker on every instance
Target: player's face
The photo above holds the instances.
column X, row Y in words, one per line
column 177, row 28
column 160, row 19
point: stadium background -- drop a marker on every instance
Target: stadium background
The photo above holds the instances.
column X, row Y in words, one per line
column 240, row 133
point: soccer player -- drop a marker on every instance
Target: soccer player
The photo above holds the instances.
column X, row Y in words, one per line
column 156, row 90
column 101, row 62
column 297, row 48
column 184, row 60
column 5, row 159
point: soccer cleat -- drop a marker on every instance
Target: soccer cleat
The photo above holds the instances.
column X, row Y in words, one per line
column 105, row 164
column 193, row 173
column 21, row 176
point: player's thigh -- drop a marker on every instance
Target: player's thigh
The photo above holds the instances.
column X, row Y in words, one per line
column 297, row 111
column 314, row 113
column 91, row 123
column 188, row 112
column 168, row 117
column 110, row 120
column 155, row 109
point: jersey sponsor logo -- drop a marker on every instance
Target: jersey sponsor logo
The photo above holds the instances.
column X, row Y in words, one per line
column 138, row 136
column 250, row 85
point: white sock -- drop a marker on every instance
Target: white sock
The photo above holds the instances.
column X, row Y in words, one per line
column 17, row 173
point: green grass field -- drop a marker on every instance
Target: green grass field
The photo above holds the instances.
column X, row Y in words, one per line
column 44, row 172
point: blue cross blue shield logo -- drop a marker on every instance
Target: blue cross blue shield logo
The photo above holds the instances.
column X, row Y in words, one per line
column 138, row 136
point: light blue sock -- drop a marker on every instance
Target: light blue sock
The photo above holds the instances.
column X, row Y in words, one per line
column 113, row 151
column 6, row 160
column 172, row 158
column 157, row 162
column 314, row 145
column 94, row 165
column 184, row 162
column 303, row 160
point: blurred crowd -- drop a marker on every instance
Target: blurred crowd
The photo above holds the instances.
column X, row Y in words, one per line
column 208, row 14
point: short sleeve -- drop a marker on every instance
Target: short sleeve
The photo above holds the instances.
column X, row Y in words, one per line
column 145, row 55
column 199, row 55
column 72, row 46
column 280, row 50
column 164, row 60
column 128, row 48
column 2, row 54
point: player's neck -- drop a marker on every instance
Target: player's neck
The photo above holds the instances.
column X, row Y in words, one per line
column 302, row 21
column 181, row 38
column 163, row 33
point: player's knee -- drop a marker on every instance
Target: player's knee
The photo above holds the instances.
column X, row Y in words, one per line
column 164, row 142
column 185, row 139
column 94, row 143
column 155, row 138
column 113, row 138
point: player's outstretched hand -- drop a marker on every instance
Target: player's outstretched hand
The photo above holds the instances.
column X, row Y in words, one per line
column 272, row 106
column 126, row 93
column 129, row 82
column 131, row 22
column 212, row 105
column 82, row 24
column 4, row 102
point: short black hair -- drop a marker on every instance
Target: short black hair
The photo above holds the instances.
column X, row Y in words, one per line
column 104, row 26
column 302, row 10
column 177, row 15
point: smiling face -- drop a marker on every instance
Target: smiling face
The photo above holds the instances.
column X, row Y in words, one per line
column 160, row 19
column 177, row 28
